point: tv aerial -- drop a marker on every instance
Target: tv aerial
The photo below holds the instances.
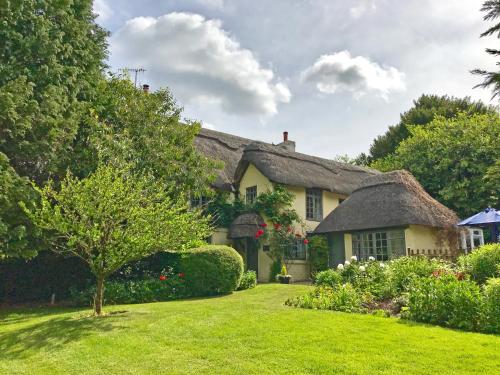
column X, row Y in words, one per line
column 135, row 72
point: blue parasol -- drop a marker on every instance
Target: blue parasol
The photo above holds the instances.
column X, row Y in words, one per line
column 489, row 217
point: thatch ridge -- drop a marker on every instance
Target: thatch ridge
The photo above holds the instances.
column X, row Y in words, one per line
column 388, row 200
column 293, row 168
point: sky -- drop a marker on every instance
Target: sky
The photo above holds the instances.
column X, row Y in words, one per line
column 334, row 74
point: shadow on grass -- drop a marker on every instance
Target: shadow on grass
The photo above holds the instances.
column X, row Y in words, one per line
column 53, row 334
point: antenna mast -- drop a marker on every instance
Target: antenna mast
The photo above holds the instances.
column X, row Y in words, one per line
column 136, row 71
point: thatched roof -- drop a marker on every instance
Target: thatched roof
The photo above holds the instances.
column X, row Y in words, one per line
column 387, row 200
column 287, row 167
column 245, row 225
column 224, row 147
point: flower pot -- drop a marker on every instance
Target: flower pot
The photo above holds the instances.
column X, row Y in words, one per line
column 284, row 279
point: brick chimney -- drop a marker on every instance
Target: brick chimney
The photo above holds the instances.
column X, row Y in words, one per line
column 145, row 88
column 286, row 144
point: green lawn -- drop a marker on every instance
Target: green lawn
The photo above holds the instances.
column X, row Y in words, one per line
column 243, row 333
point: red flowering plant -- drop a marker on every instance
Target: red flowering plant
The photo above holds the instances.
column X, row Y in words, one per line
column 172, row 280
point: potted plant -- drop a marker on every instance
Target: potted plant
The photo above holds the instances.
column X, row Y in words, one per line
column 283, row 277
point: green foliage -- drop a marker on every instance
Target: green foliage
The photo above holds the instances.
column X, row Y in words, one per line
column 482, row 263
column 425, row 109
column 329, row 278
column 114, row 217
column 145, row 131
column 318, row 253
column 248, row 280
column 275, row 205
column 491, row 79
column 212, row 270
column 133, row 291
column 402, row 271
column 467, row 183
column 51, row 57
column 340, row 298
column 222, row 211
column 445, row 301
column 491, row 306
column 275, row 270
column 15, row 228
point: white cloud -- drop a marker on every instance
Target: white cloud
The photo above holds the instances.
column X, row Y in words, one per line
column 200, row 61
column 362, row 7
column 341, row 72
column 103, row 10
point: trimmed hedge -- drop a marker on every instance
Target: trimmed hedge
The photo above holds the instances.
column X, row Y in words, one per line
column 211, row 270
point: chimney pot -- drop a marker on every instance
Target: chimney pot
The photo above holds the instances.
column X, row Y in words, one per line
column 285, row 136
column 145, row 88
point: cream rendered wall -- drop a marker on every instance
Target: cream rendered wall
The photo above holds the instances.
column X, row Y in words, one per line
column 253, row 177
column 265, row 263
column 421, row 239
column 219, row 237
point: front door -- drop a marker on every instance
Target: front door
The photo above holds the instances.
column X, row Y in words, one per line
column 252, row 251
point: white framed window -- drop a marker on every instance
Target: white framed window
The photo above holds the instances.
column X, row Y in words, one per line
column 251, row 195
column 314, row 204
column 382, row 245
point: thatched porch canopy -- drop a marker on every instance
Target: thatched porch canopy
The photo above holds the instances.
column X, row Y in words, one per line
column 385, row 200
column 287, row 167
column 245, row 225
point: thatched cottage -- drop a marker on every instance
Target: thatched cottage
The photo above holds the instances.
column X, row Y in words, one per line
column 350, row 204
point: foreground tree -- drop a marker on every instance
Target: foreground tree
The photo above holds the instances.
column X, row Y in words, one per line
column 424, row 110
column 51, row 58
column 491, row 79
column 456, row 160
column 113, row 217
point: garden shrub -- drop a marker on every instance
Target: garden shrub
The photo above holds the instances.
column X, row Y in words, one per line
column 329, row 278
column 402, row 271
column 445, row 301
column 491, row 306
column 134, row 291
column 318, row 253
column 248, row 280
column 371, row 277
column 341, row 298
column 482, row 263
column 211, row 270
column 275, row 270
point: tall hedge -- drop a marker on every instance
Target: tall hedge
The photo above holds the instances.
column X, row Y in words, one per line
column 211, row 270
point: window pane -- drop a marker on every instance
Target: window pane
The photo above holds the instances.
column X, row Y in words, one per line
column 251, row 194
column 314, row 204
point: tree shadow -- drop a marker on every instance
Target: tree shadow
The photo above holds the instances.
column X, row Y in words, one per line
column 53, row 334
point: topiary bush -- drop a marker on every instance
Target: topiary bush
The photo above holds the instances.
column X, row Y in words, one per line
column 248, row 280
column 211, row 270
column 491, row 306
column 445, row 301
column 482, row 263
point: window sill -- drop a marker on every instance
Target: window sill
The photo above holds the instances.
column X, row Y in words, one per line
column 297, row 261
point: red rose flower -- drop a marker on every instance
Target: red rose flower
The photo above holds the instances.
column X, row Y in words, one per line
column 289, row 229
column 181, row 274
column 163, row 278
column 263, row 225
column 259, row 233
column 306, row 241
column 277, row 226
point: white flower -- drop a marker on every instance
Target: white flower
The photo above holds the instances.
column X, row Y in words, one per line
column 340, row 266
column 347, row 263
column 371, row 258
column 362, row 268
column 354, row 258
column 382, row 265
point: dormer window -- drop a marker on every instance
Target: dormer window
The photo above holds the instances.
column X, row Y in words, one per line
column 314, row 205
column 251, row 195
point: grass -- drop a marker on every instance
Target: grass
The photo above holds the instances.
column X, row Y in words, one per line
column 243, row 333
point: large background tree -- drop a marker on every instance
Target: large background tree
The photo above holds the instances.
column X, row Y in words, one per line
column 51, row 58
column 456, row 160
column 424, row 110
column 115, row 216
column 491, row 79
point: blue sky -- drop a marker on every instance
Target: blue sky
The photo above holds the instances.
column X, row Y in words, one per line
column 334, row 74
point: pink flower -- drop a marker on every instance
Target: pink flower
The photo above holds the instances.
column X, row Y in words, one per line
column 306, row 241
column 181, row 274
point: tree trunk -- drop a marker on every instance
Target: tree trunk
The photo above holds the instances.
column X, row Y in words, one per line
column 99, row 295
